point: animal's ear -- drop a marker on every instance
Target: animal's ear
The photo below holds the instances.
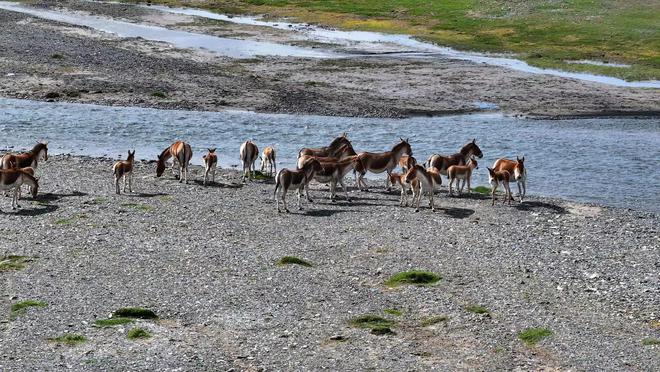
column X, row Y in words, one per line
column 522, row 160
column 158, row 156
column 407, row 139
column 474, row 140
column 345, row 135
column 212, row 150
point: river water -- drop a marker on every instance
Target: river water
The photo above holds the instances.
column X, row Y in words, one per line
column 608, row 161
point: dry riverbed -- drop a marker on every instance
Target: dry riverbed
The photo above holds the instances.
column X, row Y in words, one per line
column 204, row 260
column 42, row 59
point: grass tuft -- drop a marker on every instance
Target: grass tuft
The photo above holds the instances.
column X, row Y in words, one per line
column 531, row 336
column 371, row 322
column 159, row 95
column 380, row 331
column 138, row 333
column 139, row 207
column 69, row 339
column 19, row 308
column 12, row 262
column 260, row 176
column 414, row 277
column 477, row 309
column 292, row 260
column 57, row 56
column 394, row 312
column 134, row 312
column 650, row 341
column 482, row 190
column 427, row 322
column 106, row 323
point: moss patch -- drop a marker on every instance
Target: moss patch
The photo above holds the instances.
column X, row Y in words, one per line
column 477, row 309
column 292, row 260
column 394, row 312
column 138, row 333
column 482, row 190
column 19, row 308
column 69, row 339
column 138, row 207
column 134, row 312
column 426, row 322
column 159, row 95
column 414, row 277
column 258, row 175
column 650, row 341
column 106, row 323
column 12, row 262
column 371, row 322
column 531, row 336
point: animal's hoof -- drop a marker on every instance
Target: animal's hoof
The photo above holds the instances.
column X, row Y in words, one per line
column 287, row 211
column 333, row 200
column 416, row 210
column 350, row 201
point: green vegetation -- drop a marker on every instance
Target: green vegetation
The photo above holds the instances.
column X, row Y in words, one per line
column 531, row 336
column 415, row 277
column 482, row 190
column 12, row 262
column 134, row 312
column 106, row 323
column 650, row 341
column 477, row 309
column 137, row 333
column 394, row 312
column 260, row 176
column 433, row 320
column 545, row 33
column 69, row 339
column 64, row 221
column 158, row 95
column 19, row 308
column 377, row 324
column 139, row 207
column 57, row 56
column 291, row 260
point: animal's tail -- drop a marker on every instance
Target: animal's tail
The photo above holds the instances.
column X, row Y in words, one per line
column 277, row 185
column 428, row 161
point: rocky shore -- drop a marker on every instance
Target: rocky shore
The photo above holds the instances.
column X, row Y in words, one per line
column 204, row 259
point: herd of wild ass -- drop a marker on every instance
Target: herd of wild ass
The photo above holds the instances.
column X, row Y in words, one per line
column 328, row 164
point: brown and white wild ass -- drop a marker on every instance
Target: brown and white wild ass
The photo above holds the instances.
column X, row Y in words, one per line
column 14, row 179
column 333, row 172
column 249, row 152
column 124, row 168
column 425, row 182
column 297, row 180
column 210, row 164
column 268, row 159
column 406, row 162
column 460, row 173
column 379, row 162
column 400, row 179
column 344, row 151
column 517, row 169
column 495, row 178
column 181, row 153
column 26, row 159
column 443, row 162
column 330, row 150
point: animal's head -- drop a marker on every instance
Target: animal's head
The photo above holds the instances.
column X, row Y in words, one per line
column 404, row 147
column 341, row 140
column 491, row 176
column 131, row 155
column 410, row 162
column 411, row 174
column 35, row 189
column 42, row 150
column 358, row 166
column 519, row 168
column 312, row 166
column 160, row 166
column 473, row 163
column 211, row 151
column 473, row 149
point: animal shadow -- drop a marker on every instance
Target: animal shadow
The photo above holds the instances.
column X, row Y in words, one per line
column 322, row 212
column 145, row 194
column 36, row 211
column 458, row 212
column 220, row 185
column 535, row 205
column 49, row 197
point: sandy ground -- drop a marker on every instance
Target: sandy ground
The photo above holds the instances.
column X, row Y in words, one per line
column 204, row 259
column 41, row 59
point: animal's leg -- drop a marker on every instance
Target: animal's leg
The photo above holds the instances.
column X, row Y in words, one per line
column 15, row 200
column 206, row 174
column 387, row 181
column 524, row 189
column 130, row 182
column 431, row 199
column 333, row 187
column 508, row 191
column 307, row 194
column 403, row 195
column 117, row 185
column 284, row 191
column 451, row 183
column 300, row 196
column 460, row 191
column 213, row 174
column 493, row 193
column 469, row 190
column 343, row 186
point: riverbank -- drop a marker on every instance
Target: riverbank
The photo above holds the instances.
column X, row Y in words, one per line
column 204, row 260
column 70, row 63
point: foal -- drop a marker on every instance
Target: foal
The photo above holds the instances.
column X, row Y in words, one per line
column 249, row 152
column 379, row 162
column 124, row 168
column 497, row 177
column 517, row 168
column 425, row 183
column 181, row 154
column 297, row 180
column 210, row 163
column 268, row 159
column 333, row 172
column 406, row 162
column 461, row 172
column 400, row 179
column 14, row 179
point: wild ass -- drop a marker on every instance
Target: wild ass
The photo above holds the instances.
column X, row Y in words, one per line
column 210, row 164
column 330, row 150
column 14, row 179
column 249, row 152
column 342, row 152
column 296, row 180
column 333, row 172
column 400, row 179
column 426, row 181
column 26, row 159
column 31, row 172
column 406, row 162
column 443, row 162
column 379, row 162
column 181, row 153
column 268, row 159
column 517, row 169
column 124, row 168
column 497, row 177
column 460, row 173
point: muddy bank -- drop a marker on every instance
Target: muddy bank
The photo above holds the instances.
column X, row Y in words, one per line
column 204, row 259
column 64, row 62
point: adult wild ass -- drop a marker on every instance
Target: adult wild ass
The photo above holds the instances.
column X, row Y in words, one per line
column 330, row 150
column 210, row 164
column 124, row 168
column 268, row 159
column 379, row 162
column 443, row 162
column 26, row 159
column 344, row 151
column 296, row 180
column 460, row 173
column 517, row 169
column 249, row 152
column 333, row 172
column 14, row 179
column 425, row 182
column 181, row 153
column 495, row 178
